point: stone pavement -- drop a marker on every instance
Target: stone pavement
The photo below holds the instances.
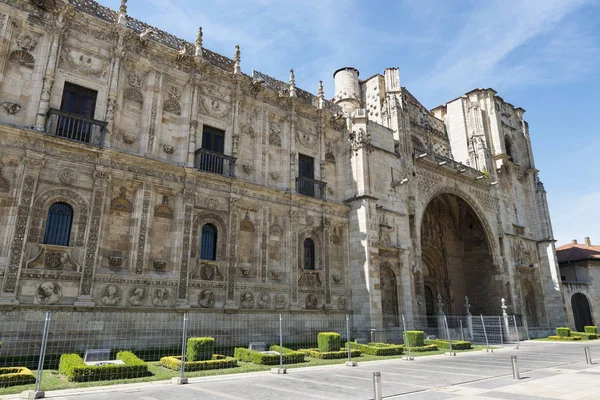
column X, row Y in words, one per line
column 548, row 370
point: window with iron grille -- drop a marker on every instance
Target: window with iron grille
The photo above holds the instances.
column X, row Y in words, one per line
column 58, row 224
column 208, row 243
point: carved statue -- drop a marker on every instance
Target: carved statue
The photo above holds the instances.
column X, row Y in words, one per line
column 264, row 300
column 247, row 300
column 48, row 293
column 111, row 295
column 137, row 296
column 161, row 297
column 311, row 302
column 206, row 299
column 279, row 301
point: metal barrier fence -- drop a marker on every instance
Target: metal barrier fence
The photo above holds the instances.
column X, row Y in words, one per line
column 37, row 340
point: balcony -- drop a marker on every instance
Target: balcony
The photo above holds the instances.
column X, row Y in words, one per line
column 311, row 187
column 75, row 127
column 215, row 163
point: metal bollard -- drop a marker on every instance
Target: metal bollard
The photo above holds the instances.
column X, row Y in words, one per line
column 487, row 343
column 588, row 356
column 377, row 395
column 515, row 367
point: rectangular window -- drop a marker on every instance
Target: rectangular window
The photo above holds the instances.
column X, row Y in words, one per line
column 306, row 184
column 213, row 139
column 210, row 157
column 81, row 102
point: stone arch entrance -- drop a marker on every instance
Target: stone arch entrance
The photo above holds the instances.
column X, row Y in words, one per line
column 530, row 304
column 456, row 249
column 582, row 313
column 389, row 296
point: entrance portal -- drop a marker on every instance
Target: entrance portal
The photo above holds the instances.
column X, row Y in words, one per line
column 456, row 254
column 581, row 311
column 389, row 297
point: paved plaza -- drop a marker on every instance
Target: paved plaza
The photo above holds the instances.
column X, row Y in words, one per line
column 548, row 371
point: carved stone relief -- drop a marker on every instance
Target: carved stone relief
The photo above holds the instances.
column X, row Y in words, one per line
column 279, row 301
column 22, row 57
column 247, row 300
column 86, row 64
column 121, row 203
column 164, row 210
column 264, row 300
column 137, row 296
column 275, row 134
column 11, row 108
column 67, row 176
column 206, row 299
column 4, row 183
column 161, row 297
column 311, row 302
column 111, row 295
column 48, row 293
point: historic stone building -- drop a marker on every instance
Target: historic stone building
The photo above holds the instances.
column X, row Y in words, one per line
column 142, row 171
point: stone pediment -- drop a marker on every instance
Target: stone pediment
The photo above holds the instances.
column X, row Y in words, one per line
column 54, row 258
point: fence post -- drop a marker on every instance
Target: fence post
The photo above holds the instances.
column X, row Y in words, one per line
column 588, row 356
column 38, row 393
column 451, row 353
column 406, row 344
column 516, row 331
column 501, row 336
column 181, row 379
column 350, row 363
column 462, row 333
column 487, row 343
column 377, row 395
column 280, row 370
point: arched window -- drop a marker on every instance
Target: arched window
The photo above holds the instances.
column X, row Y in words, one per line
column 309, row 254
column 508, row 146
column 208, row 242
column 58, row 224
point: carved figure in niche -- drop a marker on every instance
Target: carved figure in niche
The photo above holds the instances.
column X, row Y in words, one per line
column 163, row 209
column 111, row 295
column 206, row 299
column 275, row 134
column 279, row 301
column 134, row 81
column 137, row 296
column 264, row 300
column 311, row 302
column 161, row 297
column 247, row 300
column 120, row 203
column 48, row 293
column 342, row 303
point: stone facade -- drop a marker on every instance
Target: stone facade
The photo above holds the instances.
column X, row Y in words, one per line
column 401, row 204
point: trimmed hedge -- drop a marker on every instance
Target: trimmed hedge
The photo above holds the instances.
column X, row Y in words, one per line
column 73, row 367
column 586, row 329
column 565, row 338
column 377, row 349
column 329, row 341
column 584, row 336
column 563, row 332
column 456, row 344
column 12, row 376
column 330, row 355
column 422, row 349
column 415, row 338
column 216, row 362
column 256, row 357
column 200, row 349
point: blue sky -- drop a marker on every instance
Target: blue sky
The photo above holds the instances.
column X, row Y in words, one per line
column 542, row 55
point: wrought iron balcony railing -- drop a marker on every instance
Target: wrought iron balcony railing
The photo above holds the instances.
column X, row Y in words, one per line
column 75, row 127
column 215, row 163
column 311, row 187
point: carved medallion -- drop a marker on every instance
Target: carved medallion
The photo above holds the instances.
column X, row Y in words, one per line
column 111, row 295
column 67, row 176
column 311, row 302
column 264, row 300
column 53, row 260
column 279, row 301
column 137, row 296
column 206, row 299
column 247, row 300
column 212, row 203
column 48, row 293
column 207, row 272
column 86, row 64
column 161, row 297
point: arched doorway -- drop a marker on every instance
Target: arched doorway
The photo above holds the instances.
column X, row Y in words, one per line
column 456, row 250
column 389, row 297
column 530, row 304
column 581, row 311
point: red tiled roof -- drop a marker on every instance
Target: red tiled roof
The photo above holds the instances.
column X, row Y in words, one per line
column 577, row 252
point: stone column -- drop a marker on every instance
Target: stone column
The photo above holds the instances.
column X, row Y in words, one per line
column 189, row 197
column 142, row 230
column 31, row 166
column 153, row 129
column 230, row 302
column 101, row 179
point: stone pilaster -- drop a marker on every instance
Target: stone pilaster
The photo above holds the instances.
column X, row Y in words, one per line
column 31, row 166
column 264, row 244
column 153, row 128
column 230, row 303
column 550, row 277
column 292, row 233
column 326, row 255
column 189, row 197
column 117, row 54
column 142, row 232
column 101, row 179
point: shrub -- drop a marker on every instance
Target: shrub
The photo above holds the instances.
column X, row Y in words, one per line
column 199, row 349
column 256, row 357
column 586, row 329
column 377, row 349
column 584, row 336
column 73, row 367
column 563, row 332
column 415, row 338
column 456, row 344
column 217, row 361
column 565, row 338
column 422, row 349
column 329, row 341
column 330, row 355
column 12, row 376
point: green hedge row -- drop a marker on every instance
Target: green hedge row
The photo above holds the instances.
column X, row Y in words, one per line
column 456, row 344
column 330, row 355
column 587, row 329
column 415, row 338
column 73, row 367
column 566, row 338
column 256, row 357
column 584, row 335
column 199, row 349
column 12, row 376
column 563, row 332
column 329, row 341
column 377, row 349
column 216, row 362
column 424, row 348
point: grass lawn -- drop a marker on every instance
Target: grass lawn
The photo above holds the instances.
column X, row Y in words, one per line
column 51, row 380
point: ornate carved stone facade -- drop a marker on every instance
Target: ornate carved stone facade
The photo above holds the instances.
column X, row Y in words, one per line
column 403, row 200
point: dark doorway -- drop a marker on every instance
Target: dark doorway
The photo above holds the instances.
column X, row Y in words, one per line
column 211, row 159
column 79, row 102
column 581, row 311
